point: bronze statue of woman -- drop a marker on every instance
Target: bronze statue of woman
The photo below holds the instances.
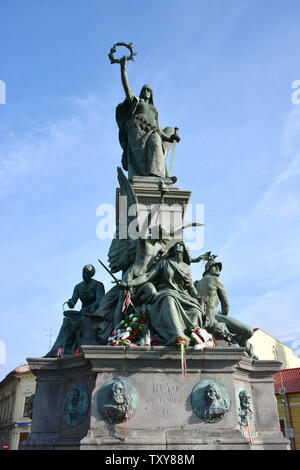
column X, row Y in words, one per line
column 145, row 144
column 174, row 307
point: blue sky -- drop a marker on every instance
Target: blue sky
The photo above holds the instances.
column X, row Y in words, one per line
column 223, row 73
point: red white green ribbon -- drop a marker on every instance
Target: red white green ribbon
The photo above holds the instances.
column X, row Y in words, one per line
column 249, row 429
column 182, row 353
column 60, row 352
column 127, row 414
column 202, row 338
column 127, row 302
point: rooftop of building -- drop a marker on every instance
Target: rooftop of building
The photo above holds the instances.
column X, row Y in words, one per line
column 289, row 379
column 20, row 370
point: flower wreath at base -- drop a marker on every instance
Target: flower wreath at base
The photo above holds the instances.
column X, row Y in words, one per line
column 128, row 330
column 180, row 340
column 200, row 338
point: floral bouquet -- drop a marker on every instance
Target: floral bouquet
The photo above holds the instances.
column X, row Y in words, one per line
column 200, row 338
column 128, row 330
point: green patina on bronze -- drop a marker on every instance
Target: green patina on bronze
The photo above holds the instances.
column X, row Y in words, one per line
column 244, row 406
column 83, row 323
column 155, row 270
column 211, row 401
column 76, row 405
column 173, row 305
column 211, row 288
column 117, row 401
column 145, row 144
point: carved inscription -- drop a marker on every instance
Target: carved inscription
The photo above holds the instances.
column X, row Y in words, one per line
column 165, row 397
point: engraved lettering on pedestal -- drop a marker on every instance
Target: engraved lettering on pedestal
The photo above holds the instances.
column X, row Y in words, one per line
column 164, row 398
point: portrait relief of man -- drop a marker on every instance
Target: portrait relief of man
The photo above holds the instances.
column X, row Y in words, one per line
column 118, row 406
column 75, row 405
column 244, row 411
column 211, row 400
column 216, row 406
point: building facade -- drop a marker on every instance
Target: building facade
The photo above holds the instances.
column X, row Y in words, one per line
column 267, row 347
column 15, row 392
column 287, row 390
column 286, row 382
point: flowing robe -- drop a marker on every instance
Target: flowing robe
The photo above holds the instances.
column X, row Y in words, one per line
column 144, row 150
column 174, row 309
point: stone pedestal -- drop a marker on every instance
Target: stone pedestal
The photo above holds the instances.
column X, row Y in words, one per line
column 164, row 406
column 151, row 192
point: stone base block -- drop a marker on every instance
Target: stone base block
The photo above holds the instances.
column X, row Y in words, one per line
column 112, row 398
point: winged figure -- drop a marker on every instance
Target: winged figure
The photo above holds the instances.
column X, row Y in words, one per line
column 136, row 256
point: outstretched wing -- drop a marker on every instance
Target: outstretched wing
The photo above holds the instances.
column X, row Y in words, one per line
column 126, row 188
column 177, row 230
column 122, row 251
column 121, row 254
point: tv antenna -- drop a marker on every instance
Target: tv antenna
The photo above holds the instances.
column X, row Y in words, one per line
column 52, row 333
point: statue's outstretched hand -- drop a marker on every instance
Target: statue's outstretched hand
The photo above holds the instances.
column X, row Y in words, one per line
column 123, row 61
column 70, row 304
column 175, row 137
column 123, row 285
column 223, row 313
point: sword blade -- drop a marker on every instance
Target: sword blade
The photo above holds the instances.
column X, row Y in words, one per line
column 109, row 272
column 172, row 158
column 173, row 152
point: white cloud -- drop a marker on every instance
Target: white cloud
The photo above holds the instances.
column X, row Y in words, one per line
column 275, row 312
column 279, row 201
column 264, row 250
column 49, row 144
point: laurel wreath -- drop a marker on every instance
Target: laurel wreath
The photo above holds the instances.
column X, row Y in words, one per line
column 114, row 49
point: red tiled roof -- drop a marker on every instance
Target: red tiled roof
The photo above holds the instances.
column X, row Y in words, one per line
column 290, row 380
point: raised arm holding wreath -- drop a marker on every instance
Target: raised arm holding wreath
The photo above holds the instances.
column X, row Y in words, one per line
column 145, row 144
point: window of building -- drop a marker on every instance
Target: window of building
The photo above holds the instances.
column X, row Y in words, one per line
column 23, row 437
column 26, row 407
column 282, row 426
